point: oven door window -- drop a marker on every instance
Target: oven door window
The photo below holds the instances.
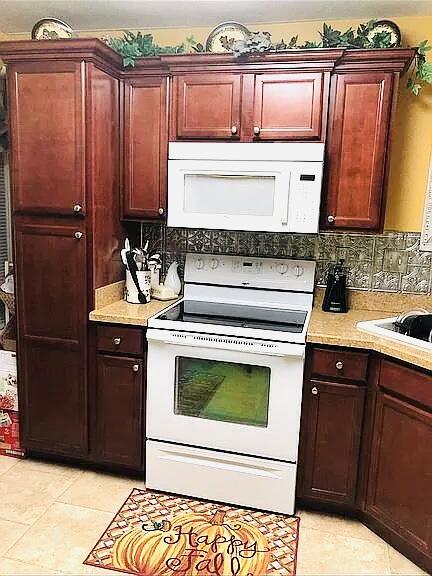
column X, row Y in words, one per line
column 224, row 391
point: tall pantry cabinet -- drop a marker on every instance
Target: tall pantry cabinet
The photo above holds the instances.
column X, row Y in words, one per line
column 65, row 134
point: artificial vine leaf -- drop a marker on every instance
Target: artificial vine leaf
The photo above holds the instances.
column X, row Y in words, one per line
column 132, row 46
column 413, row 87
column 381, row 40
column 424, row 47
column 330, row 37
column 424, row 72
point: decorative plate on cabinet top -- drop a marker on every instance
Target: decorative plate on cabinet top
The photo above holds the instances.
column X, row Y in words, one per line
column 388, row 27
column 222, row 38
column 51, row 29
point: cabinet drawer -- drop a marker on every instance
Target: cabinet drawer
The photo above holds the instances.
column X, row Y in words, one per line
column 120, row 339
column 414, row 385
column 339, row 364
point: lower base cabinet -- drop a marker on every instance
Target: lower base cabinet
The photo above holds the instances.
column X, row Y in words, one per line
column 117, row 396
column 399, row 491
column 369, row 458
column 119, row 434
column 333, row 413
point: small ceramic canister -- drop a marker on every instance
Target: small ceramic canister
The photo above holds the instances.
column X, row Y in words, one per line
column 144, row 281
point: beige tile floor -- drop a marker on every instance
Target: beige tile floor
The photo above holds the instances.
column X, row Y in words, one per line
column 51, row 516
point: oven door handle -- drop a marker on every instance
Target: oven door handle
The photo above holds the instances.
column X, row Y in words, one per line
column 195, row 340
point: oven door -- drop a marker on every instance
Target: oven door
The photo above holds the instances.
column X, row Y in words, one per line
column 225, row 393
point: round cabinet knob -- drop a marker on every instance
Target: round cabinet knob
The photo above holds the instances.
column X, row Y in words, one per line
column 233, row 130
column 214, row 263
column 257, row 130
column 330, row 219
column 161, row 211
column 314, row 391
column 78, row 235
column 199, row 264
column 282, row 268
column 298, row 271
column 117, row 341
column 135, row 368
column 77, row 208
column 339, row 365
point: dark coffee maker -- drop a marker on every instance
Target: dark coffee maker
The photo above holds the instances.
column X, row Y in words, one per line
column 335, row 298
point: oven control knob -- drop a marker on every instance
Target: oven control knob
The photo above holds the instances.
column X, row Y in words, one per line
column 214, row 263
column 282, row 268
column 199, row 263
column 298, row 271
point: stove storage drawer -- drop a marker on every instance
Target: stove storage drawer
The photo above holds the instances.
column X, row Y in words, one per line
column 221, row 476
column 344, row 364
column 120, row 340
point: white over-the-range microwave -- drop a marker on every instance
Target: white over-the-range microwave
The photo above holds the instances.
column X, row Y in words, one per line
column 267, row 187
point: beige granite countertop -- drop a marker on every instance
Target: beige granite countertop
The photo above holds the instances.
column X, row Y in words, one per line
column 121, row 312
column 109, row 307
column 341, row 329
column 324, row 328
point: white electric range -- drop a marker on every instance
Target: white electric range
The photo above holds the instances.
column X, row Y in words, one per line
column 224, row 381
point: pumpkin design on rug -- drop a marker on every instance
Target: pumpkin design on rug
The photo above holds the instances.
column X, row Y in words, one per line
column 156, row 534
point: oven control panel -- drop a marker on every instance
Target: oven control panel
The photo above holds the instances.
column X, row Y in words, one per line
column 271, row 273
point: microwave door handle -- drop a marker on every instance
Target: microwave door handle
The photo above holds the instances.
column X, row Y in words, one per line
column 285, row 204
column 242, row 176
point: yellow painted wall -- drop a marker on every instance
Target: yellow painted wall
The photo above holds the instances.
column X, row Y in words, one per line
column 412, row 136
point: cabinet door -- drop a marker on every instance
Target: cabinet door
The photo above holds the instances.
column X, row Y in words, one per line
column 208, row 106
column 52, row 320
column 118, row 413
column 357, row 147
column 330, row 441
column 288, row 106
column 145, row 147
column 47, row 136
column 400, row 477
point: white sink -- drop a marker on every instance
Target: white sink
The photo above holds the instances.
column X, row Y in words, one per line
column 385, row 329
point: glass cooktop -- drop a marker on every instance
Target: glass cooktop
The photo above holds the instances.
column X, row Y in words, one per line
column 241, row 315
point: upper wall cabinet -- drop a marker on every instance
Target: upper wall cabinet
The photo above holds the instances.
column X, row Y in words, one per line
column 289, row 106
column 357, row 151
column 207, row 106
column 249, row 107
column 47, row 137
column 251, row 104
column 362, row 104
column 145, row 147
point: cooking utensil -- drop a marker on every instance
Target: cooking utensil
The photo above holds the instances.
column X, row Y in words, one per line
column 133, row 271
column 140, row 258
column 124, row 252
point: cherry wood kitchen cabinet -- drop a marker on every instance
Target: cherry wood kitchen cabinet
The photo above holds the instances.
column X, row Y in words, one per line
column 119, row 411
column 289, row 106
column 332, row 420
column 48, row 152
column 65, row 132
column 207, row 106
column 117, row 396
column 362, row 104
column 399, row 487
column 249, row 107
column 52, row 334
column 145, row 147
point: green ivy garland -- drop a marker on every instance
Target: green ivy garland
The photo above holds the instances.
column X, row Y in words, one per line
column 132, row 46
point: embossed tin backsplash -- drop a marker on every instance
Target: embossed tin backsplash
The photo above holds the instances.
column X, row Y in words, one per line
column 390, row 262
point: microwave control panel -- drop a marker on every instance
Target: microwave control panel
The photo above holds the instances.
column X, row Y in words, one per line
column 271, row 273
